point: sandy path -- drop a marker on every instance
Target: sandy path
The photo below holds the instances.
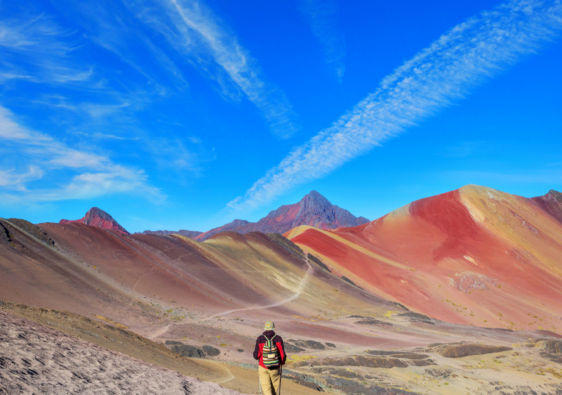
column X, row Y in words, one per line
column 300, row 288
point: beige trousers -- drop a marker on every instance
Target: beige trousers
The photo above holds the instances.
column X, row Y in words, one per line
column 270, row 381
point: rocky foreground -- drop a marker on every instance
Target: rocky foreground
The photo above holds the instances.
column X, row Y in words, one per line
column 38, row 360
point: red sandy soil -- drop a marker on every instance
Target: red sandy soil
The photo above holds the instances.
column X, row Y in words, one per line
column 473, row 256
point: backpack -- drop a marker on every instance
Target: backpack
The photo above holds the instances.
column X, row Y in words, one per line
column 270, row 353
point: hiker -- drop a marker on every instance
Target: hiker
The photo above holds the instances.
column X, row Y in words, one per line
column 270, row 352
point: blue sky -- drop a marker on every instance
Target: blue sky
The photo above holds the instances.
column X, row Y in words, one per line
column 177, row 114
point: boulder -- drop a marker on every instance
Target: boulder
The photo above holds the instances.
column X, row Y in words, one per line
column 4, row 234
column 465, row 350
column 188, row 351
column 553, row 350
column 291, row 348
column 309, row 344
column 212, row 351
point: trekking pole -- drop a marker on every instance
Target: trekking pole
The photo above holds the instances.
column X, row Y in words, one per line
column 259, row 379
column 280, row 378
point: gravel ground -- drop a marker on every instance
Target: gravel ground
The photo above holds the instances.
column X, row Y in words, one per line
column 38, row 360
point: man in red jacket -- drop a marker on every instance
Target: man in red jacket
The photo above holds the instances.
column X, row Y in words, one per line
column 270, row 352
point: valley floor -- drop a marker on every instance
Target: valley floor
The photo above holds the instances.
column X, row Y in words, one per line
column 35, row 354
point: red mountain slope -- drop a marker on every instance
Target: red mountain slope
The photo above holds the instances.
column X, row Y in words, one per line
column 472, row 256
column 98, row 218
column 313, row 210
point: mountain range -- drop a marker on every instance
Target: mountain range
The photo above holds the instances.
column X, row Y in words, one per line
column 313, row 210
column 497, row 253
column 473, row 273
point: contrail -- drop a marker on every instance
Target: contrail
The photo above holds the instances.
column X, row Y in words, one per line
column 447, row 70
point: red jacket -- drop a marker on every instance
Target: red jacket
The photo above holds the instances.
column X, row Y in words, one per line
column 258, row 351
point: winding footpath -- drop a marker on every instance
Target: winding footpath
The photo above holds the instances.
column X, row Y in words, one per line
column 300, row 288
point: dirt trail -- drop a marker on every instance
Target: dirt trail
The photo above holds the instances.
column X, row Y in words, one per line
column 229, row 376
column 300, row 288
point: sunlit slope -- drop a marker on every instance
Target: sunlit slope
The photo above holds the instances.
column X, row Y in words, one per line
column 473, row 256
column 148, row 281
column 267, row 269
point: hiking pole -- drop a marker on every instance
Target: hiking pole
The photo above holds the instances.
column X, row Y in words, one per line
column 259, row 379
column 280, row 378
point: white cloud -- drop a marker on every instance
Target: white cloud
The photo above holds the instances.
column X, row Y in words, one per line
column 17, row 180
column 196, row 33
column 89, row 175
column 42, row 51
column 445, row 71
column 322, row 17
column 107, row 26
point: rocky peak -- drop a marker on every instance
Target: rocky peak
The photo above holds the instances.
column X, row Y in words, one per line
column 314, row 203
column 551, row 203
column 557, row 196
column 238, row 222
column 98, row 218
column 95, row 213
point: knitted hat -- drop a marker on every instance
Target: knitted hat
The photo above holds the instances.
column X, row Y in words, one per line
column 269, row 326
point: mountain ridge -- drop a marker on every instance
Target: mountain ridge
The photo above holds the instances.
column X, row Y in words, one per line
column 472, row 256
column 313, row 209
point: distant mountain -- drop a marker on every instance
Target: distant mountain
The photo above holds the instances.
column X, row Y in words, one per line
column 551, row 203
column 98, row 218
column 313, row 210
column 187, row 233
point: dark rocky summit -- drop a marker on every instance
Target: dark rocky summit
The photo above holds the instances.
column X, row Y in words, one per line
column 551, row 203
column 313, row 210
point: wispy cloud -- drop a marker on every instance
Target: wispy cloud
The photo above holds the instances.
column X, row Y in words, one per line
column 36, row 49
column 80, row 174
column 322, row 16
column 462, row 58
column 195, row 32
column 112, row 27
